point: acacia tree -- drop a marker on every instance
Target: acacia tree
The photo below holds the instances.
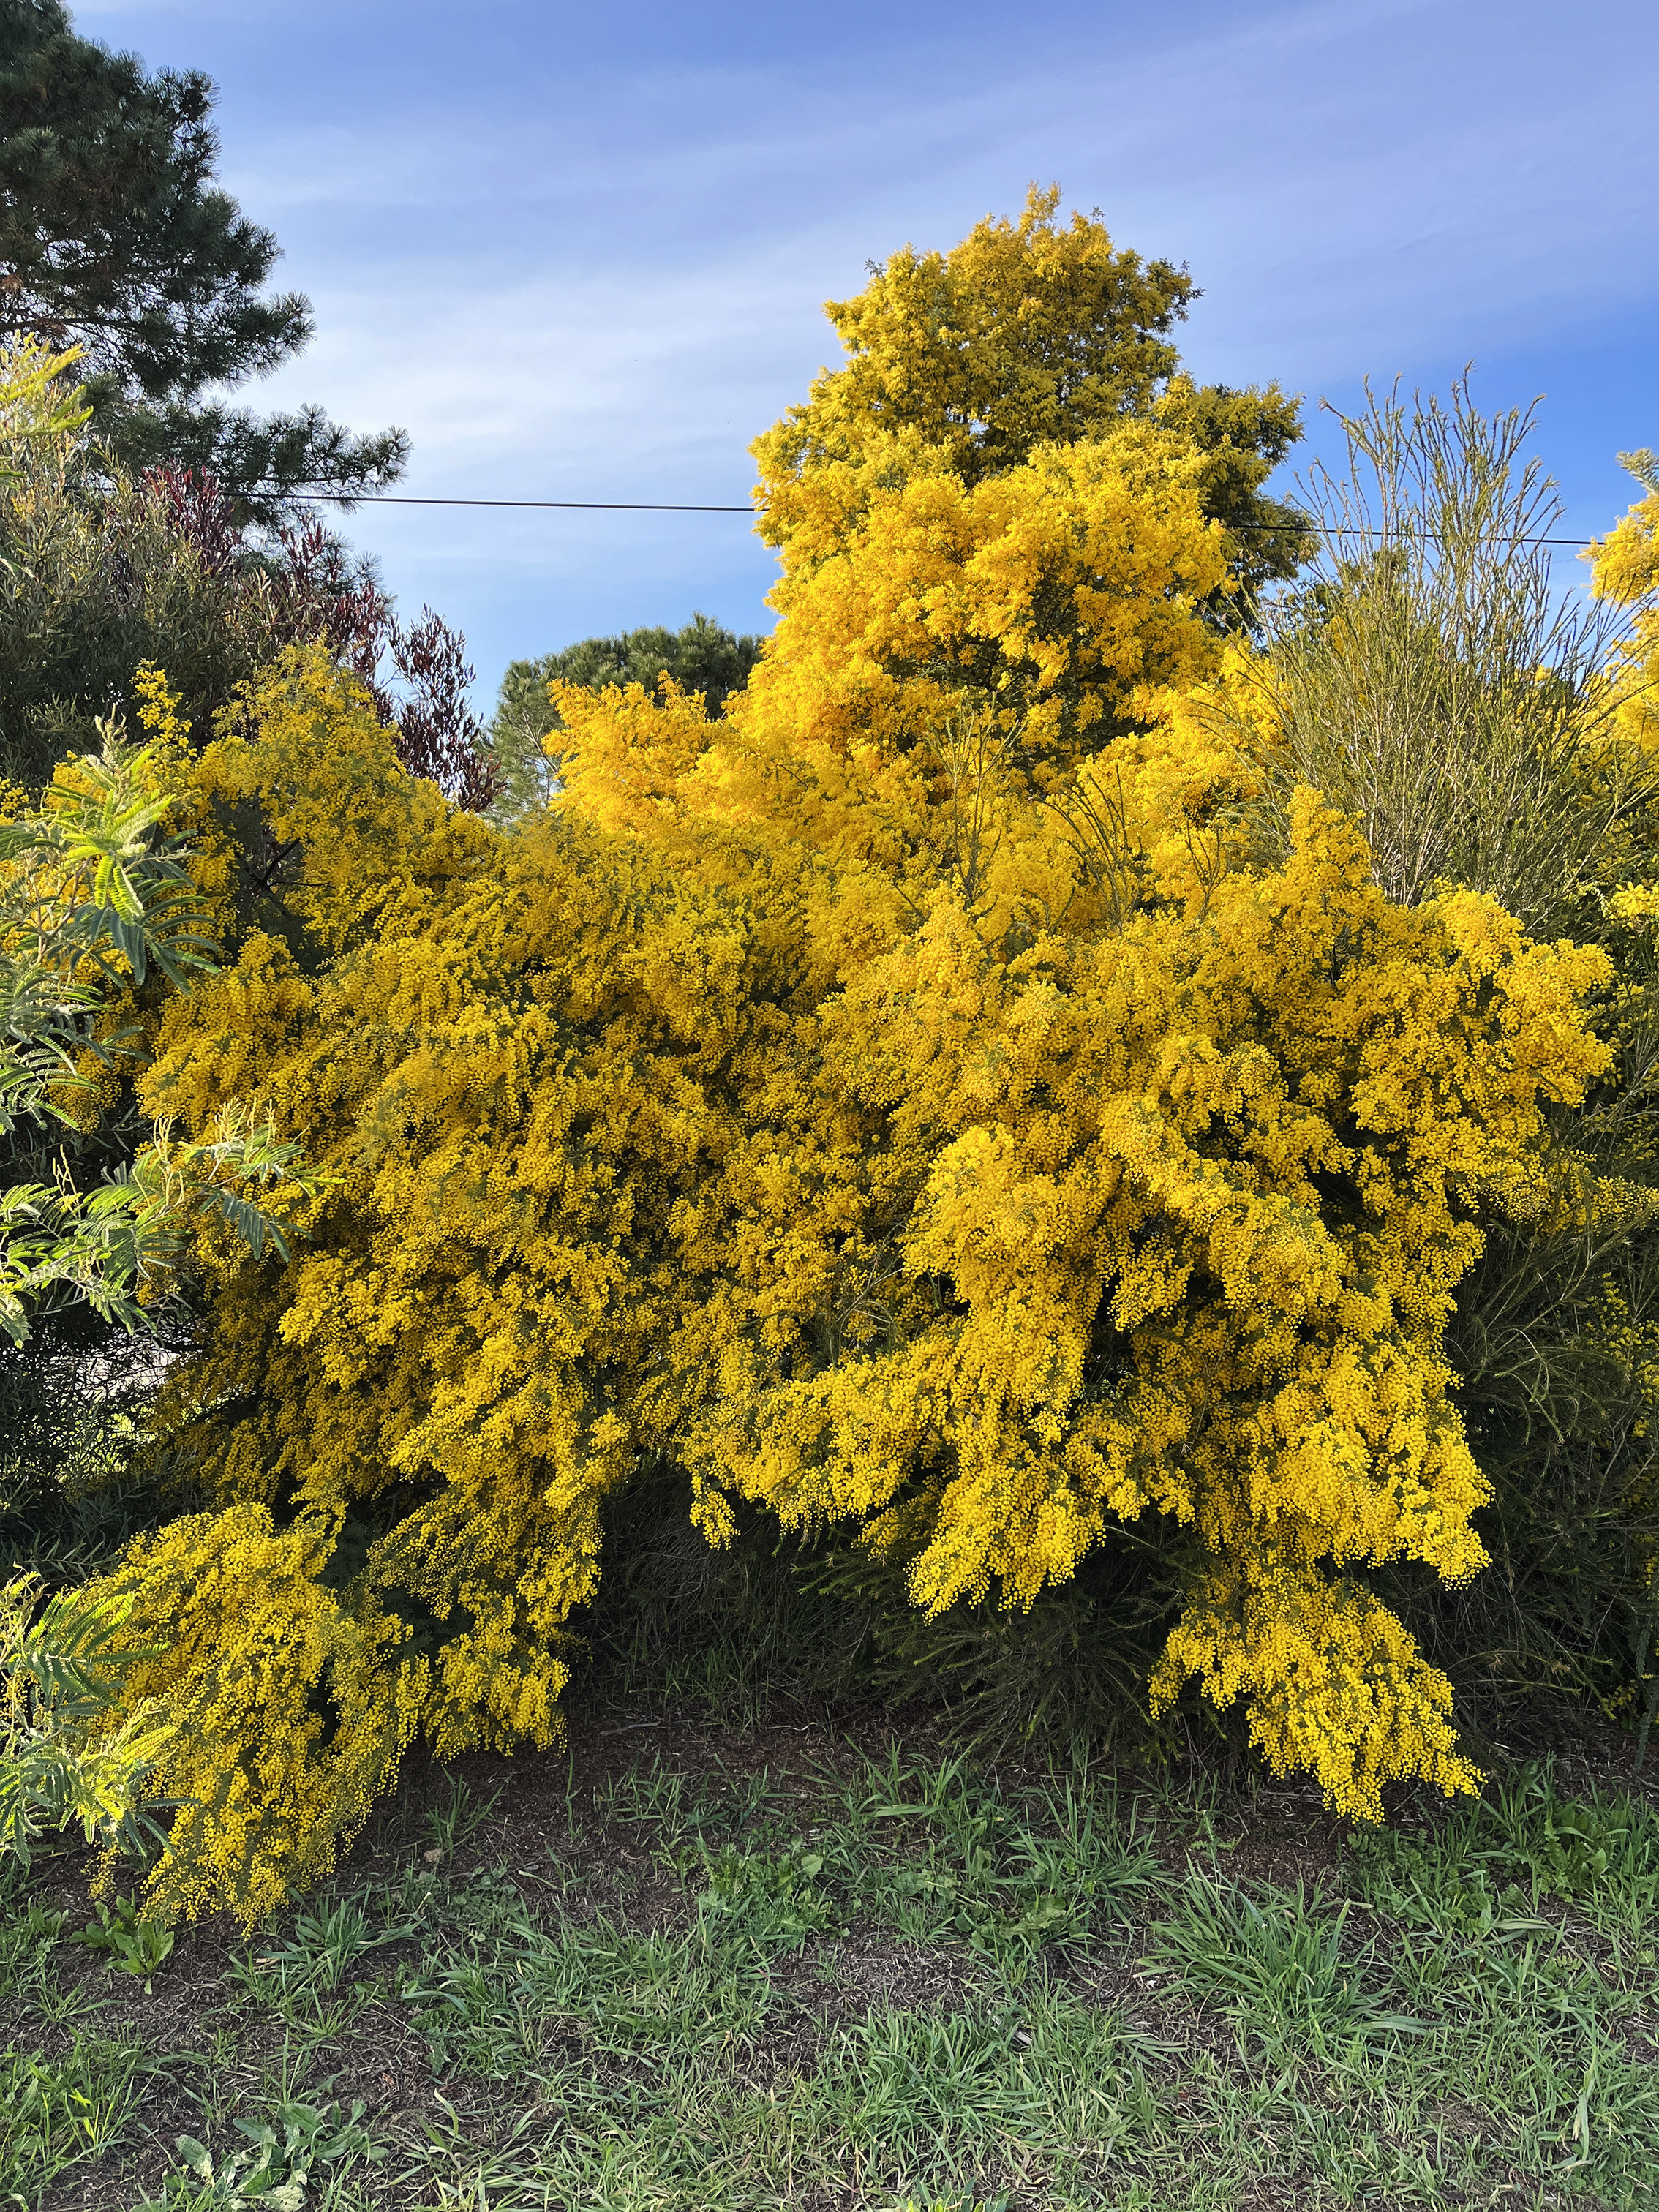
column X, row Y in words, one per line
column 114, row 236
column 1030, row 333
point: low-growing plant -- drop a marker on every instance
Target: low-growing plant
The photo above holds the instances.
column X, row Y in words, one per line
column 26, row 1939
column 58, row 2111
column 128, row 1939
column 283, row 2154
column 457, row 1814
column 637, row 2022
column 1521, row 1844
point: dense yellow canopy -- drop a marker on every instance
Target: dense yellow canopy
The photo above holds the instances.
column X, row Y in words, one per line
column 911, row 1101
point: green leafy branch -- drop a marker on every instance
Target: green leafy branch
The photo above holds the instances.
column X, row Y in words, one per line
column 60, row 1663
column 35, row 402
column 107, row 1248
column 95, row 896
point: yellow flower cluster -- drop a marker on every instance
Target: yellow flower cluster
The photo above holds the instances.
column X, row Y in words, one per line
column 1030, row 333
column 1625, row 568
column 1003, row 1229
column 1634, row 904
column 288, row 1717
column 1164, row 1218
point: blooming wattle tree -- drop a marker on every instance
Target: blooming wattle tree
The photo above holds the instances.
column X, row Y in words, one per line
column 912, row 1100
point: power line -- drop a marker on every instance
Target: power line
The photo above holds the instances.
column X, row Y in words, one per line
column 658, row 507
column 611, row 506
column 1349, row 530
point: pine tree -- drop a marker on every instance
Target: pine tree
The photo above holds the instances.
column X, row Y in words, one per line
column 114, row 235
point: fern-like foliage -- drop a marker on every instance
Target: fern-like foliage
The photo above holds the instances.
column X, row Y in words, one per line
column 67, row 1755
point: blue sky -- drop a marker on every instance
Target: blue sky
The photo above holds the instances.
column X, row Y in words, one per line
column 581, row 252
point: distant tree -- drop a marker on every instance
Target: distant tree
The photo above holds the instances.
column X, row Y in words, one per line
column 703, row 658
column 113, row 235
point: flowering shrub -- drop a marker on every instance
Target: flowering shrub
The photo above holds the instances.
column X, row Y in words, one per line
column 911, row 1100
column 1004, row 1230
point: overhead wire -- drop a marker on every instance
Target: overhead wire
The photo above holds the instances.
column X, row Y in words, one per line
column 412, row 499
column 355, row 500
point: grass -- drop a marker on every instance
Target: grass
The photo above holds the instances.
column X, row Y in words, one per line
column 740, row 1970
